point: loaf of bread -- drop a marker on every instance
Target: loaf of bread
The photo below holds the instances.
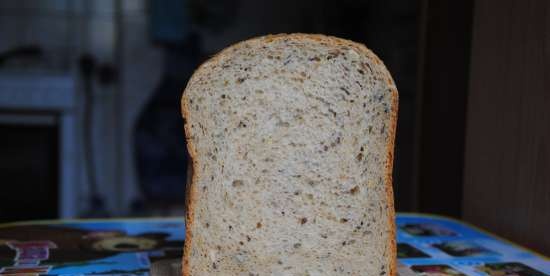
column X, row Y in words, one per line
column 291, row 138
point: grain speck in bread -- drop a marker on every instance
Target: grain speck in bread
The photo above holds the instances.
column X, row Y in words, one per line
column 292, row 144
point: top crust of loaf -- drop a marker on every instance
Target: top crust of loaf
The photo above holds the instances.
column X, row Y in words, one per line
column 374, row 64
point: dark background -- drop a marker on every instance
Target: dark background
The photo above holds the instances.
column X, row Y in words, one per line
column 473, row 78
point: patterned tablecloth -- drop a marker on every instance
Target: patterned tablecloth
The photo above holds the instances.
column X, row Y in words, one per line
column 427, row 245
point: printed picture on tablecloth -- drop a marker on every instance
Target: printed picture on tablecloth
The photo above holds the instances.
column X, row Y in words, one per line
column 463, row 249
column 509, row 269
column 405, row 250
column 426, row 230
column 101, row 248
column 436, row 270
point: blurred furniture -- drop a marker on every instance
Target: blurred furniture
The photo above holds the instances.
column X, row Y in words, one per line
column 161, row 157
column 39, row 161
column 507, row 161
column 483, row 123
column 443, row 63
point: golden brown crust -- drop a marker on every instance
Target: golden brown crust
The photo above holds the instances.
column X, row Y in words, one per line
column 330, row 40
column 190, row 190
column 389, row 187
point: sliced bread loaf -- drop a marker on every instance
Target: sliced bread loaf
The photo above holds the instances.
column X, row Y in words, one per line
column 292, row 144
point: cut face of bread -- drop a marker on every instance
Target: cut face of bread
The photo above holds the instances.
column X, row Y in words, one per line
column 292, row 141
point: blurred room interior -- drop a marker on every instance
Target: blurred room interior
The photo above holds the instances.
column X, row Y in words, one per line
column 89, row 101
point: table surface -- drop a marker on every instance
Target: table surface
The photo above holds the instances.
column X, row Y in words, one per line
column 427, row 245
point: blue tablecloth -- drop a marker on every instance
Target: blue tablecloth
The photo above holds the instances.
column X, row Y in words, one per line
column 428, row 245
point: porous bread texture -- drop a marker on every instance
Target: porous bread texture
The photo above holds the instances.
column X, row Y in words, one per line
column 291, row 138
